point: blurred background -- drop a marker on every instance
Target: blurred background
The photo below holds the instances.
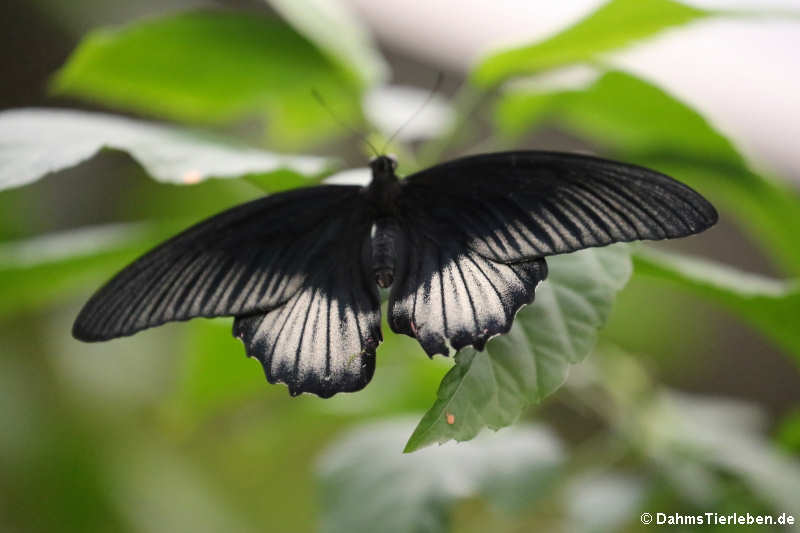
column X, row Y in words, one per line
column 689, row 404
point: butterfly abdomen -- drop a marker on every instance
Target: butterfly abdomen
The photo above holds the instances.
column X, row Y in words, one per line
column 386, row 241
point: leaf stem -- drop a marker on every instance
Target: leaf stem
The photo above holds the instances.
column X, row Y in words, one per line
column 468, row 102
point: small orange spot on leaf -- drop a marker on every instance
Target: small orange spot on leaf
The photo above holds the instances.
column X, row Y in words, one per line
column 191, row 177
column 451, row 418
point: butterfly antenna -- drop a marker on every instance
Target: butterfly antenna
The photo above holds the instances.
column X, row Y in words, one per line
column 340, row 122
column 423, row 105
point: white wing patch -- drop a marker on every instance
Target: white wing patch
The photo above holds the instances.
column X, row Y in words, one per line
column 449, row 294
column 322, row 340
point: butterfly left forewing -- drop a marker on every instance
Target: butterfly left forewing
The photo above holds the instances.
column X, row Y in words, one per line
column 250, row 258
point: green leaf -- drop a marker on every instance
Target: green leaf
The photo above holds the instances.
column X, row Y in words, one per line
column 788, row 433
column 146, row 478
column 492, row 388
column 632, row 120
column 51, row 267
column 769, row 211
column 214, row 67
column 616, row 24
column 600, row 500
column 336, row 30
column 679, row 429
column 770, row 305
column 54, row 267
column 366, row 481
column 215, row 374
column 697, row 443
column 518, row 111
column 35, row 142
column 624, row 113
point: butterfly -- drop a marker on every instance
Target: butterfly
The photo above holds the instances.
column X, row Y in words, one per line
column 460, row 247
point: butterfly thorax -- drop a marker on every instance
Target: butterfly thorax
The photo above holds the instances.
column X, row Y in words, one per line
column 386, row 237
column 384, row 188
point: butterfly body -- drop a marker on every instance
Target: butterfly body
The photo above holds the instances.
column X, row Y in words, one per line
column 461, row 247
column 387, row 245
column 384, row 190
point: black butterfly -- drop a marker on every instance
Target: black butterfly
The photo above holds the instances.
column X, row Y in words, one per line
column 461, row 244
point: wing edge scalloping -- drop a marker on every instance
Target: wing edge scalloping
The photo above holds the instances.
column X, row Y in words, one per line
column 402, row 320
column 246, row 328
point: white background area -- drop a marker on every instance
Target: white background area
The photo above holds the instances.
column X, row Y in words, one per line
column 742, row 73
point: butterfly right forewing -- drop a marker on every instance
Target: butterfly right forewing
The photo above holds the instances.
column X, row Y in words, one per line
column 515, row 206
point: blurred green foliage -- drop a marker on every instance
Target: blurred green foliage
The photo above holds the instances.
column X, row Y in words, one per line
column 771, row 305
column 174, row 430
column 635, row 121
column 613, row 25
column 212, row 68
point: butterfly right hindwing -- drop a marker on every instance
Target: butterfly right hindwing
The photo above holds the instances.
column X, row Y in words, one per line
column 447, row 294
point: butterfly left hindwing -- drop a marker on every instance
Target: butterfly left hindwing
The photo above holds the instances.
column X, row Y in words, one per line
column 323, row 339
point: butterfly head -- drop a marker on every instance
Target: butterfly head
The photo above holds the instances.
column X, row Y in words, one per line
column 383, row 168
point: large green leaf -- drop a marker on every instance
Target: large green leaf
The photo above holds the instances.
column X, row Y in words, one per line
column 491, row 388
column 603, row 500
column 770, row 305
column 35, row 142
column 677, row 430
column 696, row 443
column 788, row 432
column 615, row 24
column 336, row 30
column 51, row 267
column 214, row 374
column 635, row 121
column 368, row 485
column 623, row 113
column 214, row 67
column 149, row 478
